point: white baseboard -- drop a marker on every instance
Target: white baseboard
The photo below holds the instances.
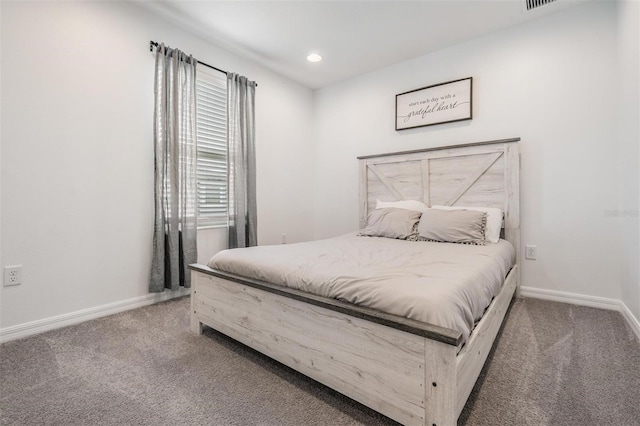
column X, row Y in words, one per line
column 583, row 300
column 571, row 298
column 40, row 326
column 633, row 321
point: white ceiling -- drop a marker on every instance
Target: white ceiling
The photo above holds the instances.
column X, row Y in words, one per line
column 353, row 37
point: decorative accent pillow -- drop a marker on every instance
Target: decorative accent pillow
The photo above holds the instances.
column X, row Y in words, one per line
column 405, row 204
column 391, row 223
column 494, row 220
column 453, row 226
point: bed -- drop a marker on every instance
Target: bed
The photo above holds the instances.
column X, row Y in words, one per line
column 412, row 371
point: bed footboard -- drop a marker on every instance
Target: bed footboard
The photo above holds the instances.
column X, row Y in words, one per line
column 406, row 377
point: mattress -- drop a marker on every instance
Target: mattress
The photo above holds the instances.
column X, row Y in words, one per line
column 449, row 285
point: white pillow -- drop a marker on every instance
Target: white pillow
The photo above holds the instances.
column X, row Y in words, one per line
column 494, row 220
column 414, row 205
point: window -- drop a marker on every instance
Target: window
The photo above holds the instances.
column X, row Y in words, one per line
column 211, row 137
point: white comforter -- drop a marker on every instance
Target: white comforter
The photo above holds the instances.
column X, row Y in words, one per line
column 445, row 284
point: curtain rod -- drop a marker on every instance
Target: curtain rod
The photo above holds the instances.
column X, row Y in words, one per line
column 153, row 44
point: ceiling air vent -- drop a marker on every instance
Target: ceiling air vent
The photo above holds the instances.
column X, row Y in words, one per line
column 534, row 4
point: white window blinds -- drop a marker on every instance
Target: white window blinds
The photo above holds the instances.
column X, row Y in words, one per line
column 211, row 136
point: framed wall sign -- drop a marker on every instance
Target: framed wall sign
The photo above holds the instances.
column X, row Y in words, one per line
column 437, row 104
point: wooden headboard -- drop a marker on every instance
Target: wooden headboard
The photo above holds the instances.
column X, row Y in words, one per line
column 482, row 174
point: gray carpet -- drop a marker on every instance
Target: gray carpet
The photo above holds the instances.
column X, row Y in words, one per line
column 553, row 364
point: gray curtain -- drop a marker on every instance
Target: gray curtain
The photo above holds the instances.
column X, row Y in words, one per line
column 243, row 222
column 175, row 227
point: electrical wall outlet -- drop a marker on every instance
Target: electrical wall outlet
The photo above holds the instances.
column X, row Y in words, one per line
column 531, row 252
column 284, row 238
column 12, row 275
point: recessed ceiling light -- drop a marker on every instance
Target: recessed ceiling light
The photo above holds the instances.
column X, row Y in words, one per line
column 314, row 57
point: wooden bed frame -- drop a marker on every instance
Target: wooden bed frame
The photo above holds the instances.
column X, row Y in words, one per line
column 407, row 370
